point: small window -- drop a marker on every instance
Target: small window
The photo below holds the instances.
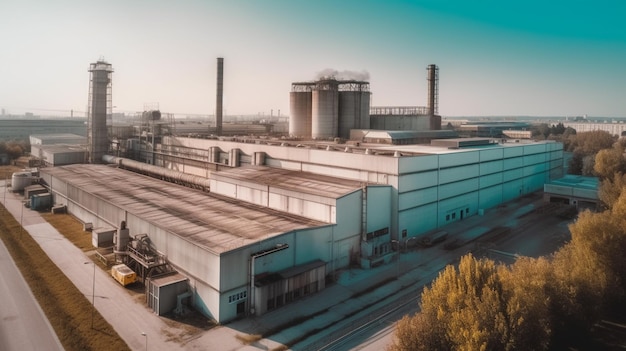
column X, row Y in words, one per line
column 447, row 217
column 454, row 215
column 467, row 210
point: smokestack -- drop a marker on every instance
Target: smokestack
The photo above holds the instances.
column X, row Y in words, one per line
column 220, row 95
column 433, row 97
column 99, row 109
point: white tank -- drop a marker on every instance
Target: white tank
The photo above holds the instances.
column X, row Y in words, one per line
column 325, row 111
column 20, row 180
column 300, row 116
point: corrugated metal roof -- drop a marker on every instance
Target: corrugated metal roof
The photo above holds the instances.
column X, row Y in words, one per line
column 303, row 182
column 215, row 222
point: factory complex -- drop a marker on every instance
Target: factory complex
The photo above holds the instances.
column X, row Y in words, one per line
column 234, row 226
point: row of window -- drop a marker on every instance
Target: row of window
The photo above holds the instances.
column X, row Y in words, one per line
column 238, row 297
column 453, row 214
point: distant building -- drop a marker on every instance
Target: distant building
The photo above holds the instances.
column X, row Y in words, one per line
column 22, row 129
column 615, row 128
column 490, row 129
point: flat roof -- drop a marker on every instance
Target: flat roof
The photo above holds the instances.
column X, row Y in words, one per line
column 577, row 181
column 302, row 182
column 215, row 222
column 58, row 136
column 60, row 148
column 420, row 149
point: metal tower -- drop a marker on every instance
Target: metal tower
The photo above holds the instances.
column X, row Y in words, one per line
column 99, row 109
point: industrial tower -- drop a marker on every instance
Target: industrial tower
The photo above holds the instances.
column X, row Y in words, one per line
column 99, row 110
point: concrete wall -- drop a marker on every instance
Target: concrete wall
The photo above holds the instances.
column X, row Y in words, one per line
column 436, row 190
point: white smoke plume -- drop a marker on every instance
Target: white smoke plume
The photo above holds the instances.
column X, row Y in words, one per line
column 330, row 73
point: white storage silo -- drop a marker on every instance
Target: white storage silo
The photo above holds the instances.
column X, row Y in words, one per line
column 300, row 99
column 325, row 110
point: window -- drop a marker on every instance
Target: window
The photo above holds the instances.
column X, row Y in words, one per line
column 467, row 210
column 447, row 217
column 454, row 215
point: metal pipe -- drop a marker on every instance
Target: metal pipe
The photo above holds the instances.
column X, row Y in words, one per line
column 160, row 172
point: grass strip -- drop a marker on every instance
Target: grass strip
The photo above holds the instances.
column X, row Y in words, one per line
column 67, row 309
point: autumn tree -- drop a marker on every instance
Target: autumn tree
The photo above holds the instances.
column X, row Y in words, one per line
column 526, row 286
column 610, row 162
column 480, row 306
column 592, row 142
column 584, row 147
column 611, row 188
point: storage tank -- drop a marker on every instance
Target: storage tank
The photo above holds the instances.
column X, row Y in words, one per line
column 300, row 99
column 354, row 106
column 20, row 180
column 325, row 110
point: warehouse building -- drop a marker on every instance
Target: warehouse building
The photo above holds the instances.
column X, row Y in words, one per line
column 279, row 218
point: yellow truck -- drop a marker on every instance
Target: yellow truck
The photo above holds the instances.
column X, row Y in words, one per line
column 123, row 274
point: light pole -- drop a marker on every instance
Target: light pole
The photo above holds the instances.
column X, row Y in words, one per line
column 146, row 336
column 93, row 292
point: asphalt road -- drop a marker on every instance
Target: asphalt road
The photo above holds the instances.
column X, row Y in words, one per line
column 23, row 325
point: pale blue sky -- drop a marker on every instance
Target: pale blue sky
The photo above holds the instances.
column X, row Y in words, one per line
column 544, row 58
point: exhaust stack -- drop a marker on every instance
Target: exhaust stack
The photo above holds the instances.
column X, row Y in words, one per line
column 220, row 96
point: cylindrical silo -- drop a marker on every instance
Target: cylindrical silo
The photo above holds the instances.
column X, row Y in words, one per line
column 365, row 110
column 300, row 117
column 325, row 110
column 354, row 108
column 349, row 112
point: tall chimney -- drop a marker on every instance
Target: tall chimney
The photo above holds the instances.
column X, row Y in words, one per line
column 99, row 109
column 433, row 97
column 220, row 95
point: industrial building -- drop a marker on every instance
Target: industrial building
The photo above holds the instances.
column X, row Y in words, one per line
column 251, row 224
column 324, row 208
column 22, row 128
